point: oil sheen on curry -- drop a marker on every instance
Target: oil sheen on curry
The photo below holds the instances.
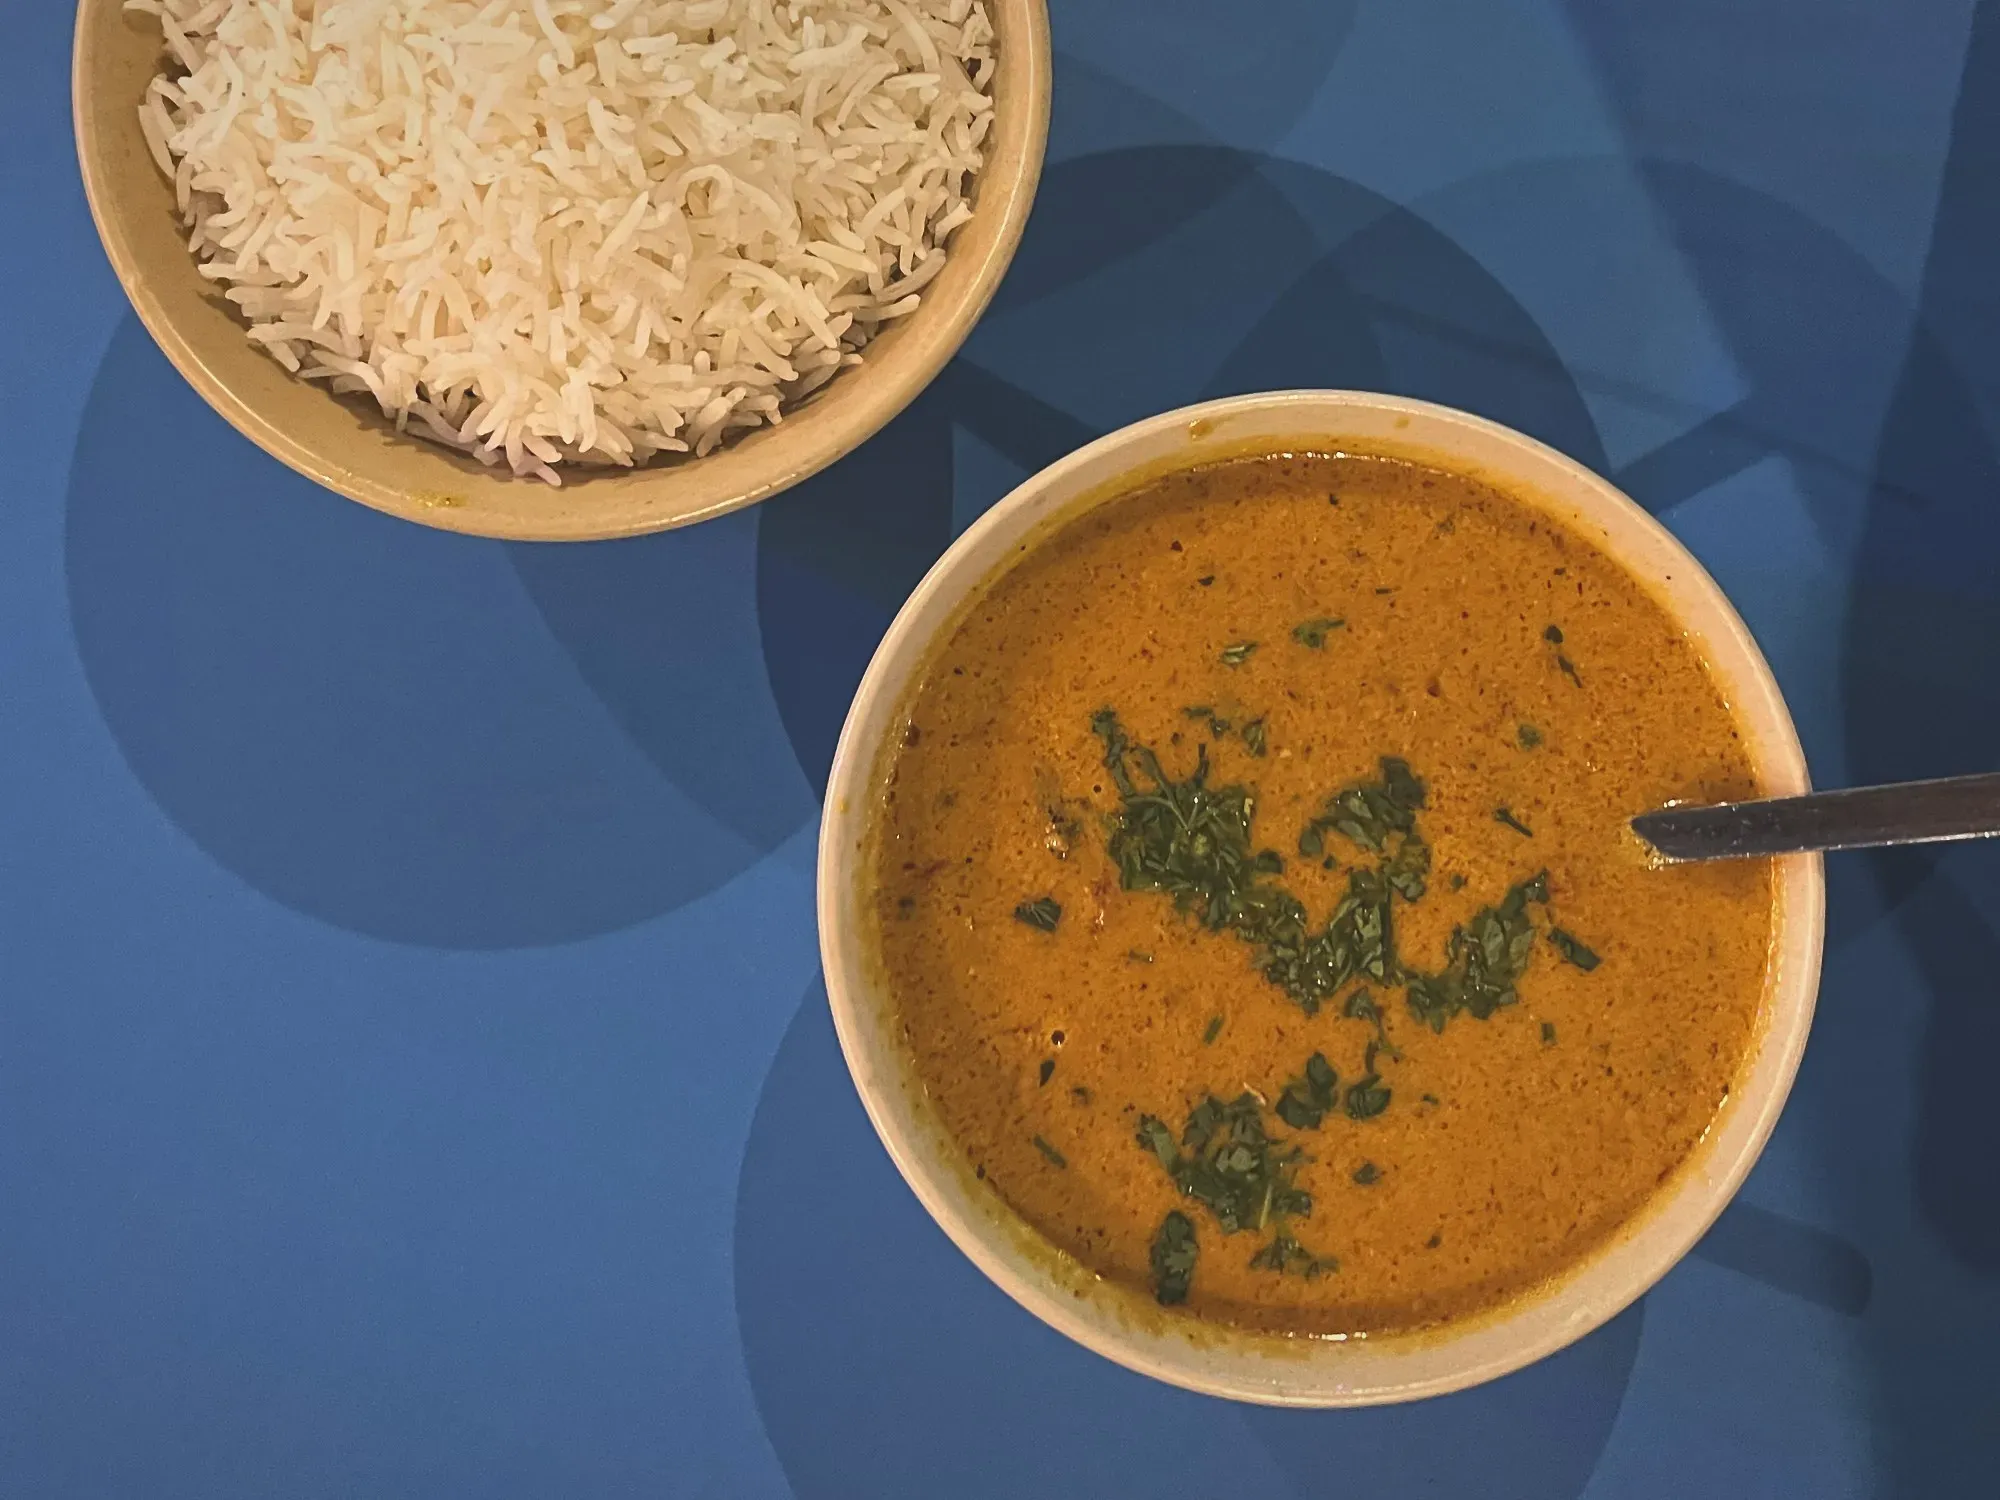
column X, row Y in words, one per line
column 1254, row 885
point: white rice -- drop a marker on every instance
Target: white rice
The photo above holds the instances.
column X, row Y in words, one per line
column 550, row 231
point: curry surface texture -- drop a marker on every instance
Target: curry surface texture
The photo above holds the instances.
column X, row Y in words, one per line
column 1511, row 1147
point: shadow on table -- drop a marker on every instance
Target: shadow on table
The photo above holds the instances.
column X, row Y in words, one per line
column 368, row 722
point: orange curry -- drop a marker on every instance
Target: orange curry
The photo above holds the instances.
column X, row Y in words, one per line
column 1254, row 884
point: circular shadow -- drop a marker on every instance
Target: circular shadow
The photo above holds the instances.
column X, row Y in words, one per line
column 1816, row 334
column 836, row 558
column 664, row 629
column 1141, row 270
column 365, row 720
column 885, row 1365
column 1534, row 1435
column 1305, row 279
column 1394, row 304
column 1094, row 211
column 1246, row 84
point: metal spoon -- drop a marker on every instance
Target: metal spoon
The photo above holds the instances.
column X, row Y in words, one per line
column 1910, row 812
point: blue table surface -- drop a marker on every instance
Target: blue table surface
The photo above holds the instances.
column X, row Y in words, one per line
column 415, row 1077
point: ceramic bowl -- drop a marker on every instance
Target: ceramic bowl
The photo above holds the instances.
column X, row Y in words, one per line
column 1123, row 1324
column 346, row 444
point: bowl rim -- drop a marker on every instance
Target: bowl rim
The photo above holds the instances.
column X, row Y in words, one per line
column 1019, row 137
column 1668, row 1226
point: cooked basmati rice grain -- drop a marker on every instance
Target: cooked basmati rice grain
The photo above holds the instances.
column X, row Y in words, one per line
column 571, row 231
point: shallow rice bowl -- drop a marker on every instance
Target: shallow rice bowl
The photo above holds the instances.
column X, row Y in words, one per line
column 769, row 266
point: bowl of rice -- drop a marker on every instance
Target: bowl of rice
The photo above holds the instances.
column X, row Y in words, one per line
column 560, row 269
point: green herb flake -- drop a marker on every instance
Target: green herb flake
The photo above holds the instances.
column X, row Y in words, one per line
column 1573, row 951
column 1206, row 579
column 1367, row 1098
column 1529, row 736
column 1211, row 1031
column 1505, row 816
column 1191, row 840
column 1048, row 1071
column 1548, row 1034
column 1408, row 870
column 1568, row 669
column 1288, row 1257
column 1041, row 915
column 1553, row 635
column 1174, row 1252
column 1154, row 1136
column 1307, row 1099
column 1361, row 1006
column 1372, row 813
column 1367, row 1174
column 1253, row 737
column 1237, row 654
column 1229, row 1164
column 1312, row 634
column 1483, row 961
column 1055, row 1157
column 1138, row 956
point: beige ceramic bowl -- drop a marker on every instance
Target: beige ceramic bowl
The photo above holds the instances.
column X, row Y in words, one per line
column 1122, row 1324
column 347, row 446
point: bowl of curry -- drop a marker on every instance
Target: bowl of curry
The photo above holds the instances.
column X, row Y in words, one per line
column 1230, row 914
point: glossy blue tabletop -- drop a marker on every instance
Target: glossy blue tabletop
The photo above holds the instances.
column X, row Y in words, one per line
column 415, row 1077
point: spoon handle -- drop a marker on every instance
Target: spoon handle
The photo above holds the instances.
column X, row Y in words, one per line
column 1910, row 812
